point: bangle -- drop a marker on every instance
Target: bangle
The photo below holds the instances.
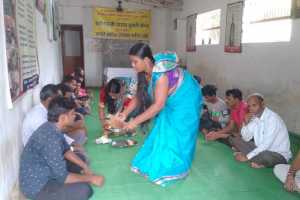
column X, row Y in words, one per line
column 72, row 148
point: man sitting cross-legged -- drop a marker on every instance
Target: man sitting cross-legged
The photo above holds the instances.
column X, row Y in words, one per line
column 270, row 145
column 238, row 110
column 38, row 114
column 77, row 130
column 44, row 174
column 215, row 114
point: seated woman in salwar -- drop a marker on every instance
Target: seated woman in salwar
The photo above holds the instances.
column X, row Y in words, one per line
column 175, row 106
column 113, row 98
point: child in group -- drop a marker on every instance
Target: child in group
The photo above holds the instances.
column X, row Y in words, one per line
column 82, row 98
column 270, row 145
column 79, row 75
column 79, row 90
column 114, row 97
column 215, row 112
column 78, row 131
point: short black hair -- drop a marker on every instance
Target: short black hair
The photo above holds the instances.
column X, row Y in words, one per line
column 113, row 86
column 48, row 91
column 77, row 71
column 209, row 90
column 68, row 79
column 77, row 79
column 235, row 93
column 64, row 88
column 58, row 106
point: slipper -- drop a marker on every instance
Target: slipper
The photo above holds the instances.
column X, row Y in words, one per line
column 131, row 134
column 103, row 140
column 123, row 143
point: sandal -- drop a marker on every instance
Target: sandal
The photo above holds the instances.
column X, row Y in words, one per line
column 131, row 134
column 123, row 143
column 103, row 140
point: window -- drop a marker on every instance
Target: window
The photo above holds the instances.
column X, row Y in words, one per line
column 208, row 28
column 267, row 21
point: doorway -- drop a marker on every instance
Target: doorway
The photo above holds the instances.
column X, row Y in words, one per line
column 72, row 48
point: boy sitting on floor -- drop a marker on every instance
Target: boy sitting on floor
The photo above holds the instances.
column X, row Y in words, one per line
column 77, row 130
column 238, row 110
column 271, row 143
column 215, row 113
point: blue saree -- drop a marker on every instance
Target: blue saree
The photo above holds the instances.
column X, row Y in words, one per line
column 168, row 151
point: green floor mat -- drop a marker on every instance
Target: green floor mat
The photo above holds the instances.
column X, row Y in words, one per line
column 215, row 175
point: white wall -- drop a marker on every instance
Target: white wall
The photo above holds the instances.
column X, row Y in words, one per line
column 11, row 119
column 78, row 12
column 271, row 69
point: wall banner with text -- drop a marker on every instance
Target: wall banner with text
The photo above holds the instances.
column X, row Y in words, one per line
column 128, row 25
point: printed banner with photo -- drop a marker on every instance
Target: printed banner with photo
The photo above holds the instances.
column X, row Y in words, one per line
column 127, row 25
column 233, row 32
column 191, row 33
column 21, row 46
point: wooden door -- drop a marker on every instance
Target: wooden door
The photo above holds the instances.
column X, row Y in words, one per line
column 72, row 48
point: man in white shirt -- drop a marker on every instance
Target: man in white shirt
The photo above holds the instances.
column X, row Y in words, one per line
column 38, row 114
column 270, row 145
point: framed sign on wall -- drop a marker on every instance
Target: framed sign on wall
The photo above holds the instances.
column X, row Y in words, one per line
column 191, row 33
column 233, row 32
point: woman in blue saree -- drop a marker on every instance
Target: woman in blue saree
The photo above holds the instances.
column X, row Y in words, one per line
column 175, row 104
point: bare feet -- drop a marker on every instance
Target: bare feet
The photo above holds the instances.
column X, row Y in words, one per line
column 96, row 180
column 256, row 166
column 241, row 157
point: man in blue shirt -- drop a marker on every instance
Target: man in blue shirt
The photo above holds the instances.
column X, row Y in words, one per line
column 43, row 168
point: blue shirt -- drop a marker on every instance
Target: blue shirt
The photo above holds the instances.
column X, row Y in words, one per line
column 43, row 159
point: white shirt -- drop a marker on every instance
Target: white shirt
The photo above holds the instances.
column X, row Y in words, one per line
column 269, row 133
column 33, row 120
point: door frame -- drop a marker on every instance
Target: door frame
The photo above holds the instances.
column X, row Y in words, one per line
column 72, row 28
